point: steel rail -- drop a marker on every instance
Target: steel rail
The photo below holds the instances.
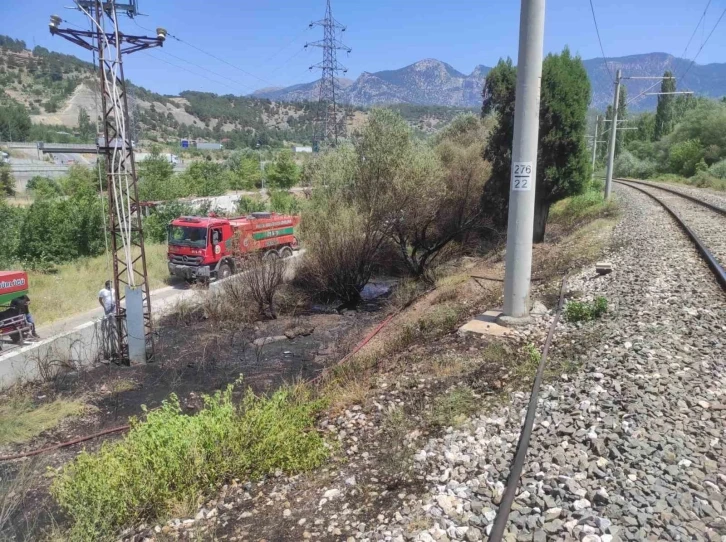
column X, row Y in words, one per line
column 500, row 522
column 712, row 263
column 715, row 208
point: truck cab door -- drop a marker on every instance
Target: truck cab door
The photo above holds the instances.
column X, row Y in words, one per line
column 216, row 240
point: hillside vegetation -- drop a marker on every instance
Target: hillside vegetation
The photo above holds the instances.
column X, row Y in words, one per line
column 684, row 140
column 51, row 97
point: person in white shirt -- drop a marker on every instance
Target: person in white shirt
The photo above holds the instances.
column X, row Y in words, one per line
column 107, row 299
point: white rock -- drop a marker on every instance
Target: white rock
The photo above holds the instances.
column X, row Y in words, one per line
column 684, row 463
column 553, row 513
column 581, row 504
column 350, row 481
column 332, row 493
column 286, row 513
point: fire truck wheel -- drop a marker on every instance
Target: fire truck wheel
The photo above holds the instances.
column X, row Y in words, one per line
column 271, row 255
column 224, row 271
column 285, row 252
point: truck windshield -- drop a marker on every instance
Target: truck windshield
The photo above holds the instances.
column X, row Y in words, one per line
column 188, row 236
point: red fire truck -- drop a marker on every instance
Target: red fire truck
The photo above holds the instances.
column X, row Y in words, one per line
column 210, row 247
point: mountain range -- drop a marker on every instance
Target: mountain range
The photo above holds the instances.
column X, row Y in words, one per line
column 433, row 82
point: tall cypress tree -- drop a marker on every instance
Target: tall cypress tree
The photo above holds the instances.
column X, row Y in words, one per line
column 563, row 164
column 622, row 115
column 664, row 114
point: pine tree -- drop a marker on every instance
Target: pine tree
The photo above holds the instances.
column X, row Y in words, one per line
column 664, row 115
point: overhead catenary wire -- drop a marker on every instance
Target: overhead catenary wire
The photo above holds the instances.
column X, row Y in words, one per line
column 703, row 15
column 693, row 61
column 599, row 39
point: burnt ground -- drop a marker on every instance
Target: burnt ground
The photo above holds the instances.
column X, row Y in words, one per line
column 194, row 356
column 374, row 431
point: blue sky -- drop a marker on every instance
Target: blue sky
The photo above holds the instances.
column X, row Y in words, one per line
column 265, row 38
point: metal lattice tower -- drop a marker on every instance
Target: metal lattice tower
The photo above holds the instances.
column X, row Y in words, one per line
column 131, row 336
column 331, row 120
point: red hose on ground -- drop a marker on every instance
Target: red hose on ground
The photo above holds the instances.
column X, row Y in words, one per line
column 65, row 444
column 360, row 345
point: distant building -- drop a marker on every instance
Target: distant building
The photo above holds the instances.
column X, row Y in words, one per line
column 303, row 149
column 209, row 146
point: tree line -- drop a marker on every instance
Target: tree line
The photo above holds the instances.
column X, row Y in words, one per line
column 386, row 199
column 685, row 137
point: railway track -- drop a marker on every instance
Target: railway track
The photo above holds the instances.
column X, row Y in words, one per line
column 703, row 222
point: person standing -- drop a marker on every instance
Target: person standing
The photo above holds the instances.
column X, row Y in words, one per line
column 107, row 299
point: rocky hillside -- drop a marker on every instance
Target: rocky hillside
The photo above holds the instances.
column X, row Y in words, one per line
column 703, row 79
column 427, row 82
column 432, row 82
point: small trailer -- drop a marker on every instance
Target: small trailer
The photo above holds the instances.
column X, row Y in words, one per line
column 13, row 324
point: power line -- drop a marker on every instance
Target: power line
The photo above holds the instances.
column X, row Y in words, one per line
column 229, row 63
column 703, row 44
column 218, row 58
column 602, row 50
column 293, row 40
column 190, row 71
column 207, row 69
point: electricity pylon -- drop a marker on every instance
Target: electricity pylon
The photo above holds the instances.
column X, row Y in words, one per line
column 132, row 333
column 331, row 121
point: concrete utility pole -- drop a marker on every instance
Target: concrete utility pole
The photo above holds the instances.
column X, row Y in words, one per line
column 613, row 135
column 594, row 148
column 524, row 160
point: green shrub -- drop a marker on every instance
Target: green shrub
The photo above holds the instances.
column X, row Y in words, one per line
column 685, row 156
column 587, row 205
column 284, row 202
column 247, row 205
column 628, row 165
column 718, row 169
column 584, row 311
column 172, row 458
column 704, row 179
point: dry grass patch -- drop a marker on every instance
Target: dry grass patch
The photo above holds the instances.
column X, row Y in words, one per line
column 21, row 419
column 451, row 409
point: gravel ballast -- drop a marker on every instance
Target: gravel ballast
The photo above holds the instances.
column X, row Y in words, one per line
column 629, row 447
